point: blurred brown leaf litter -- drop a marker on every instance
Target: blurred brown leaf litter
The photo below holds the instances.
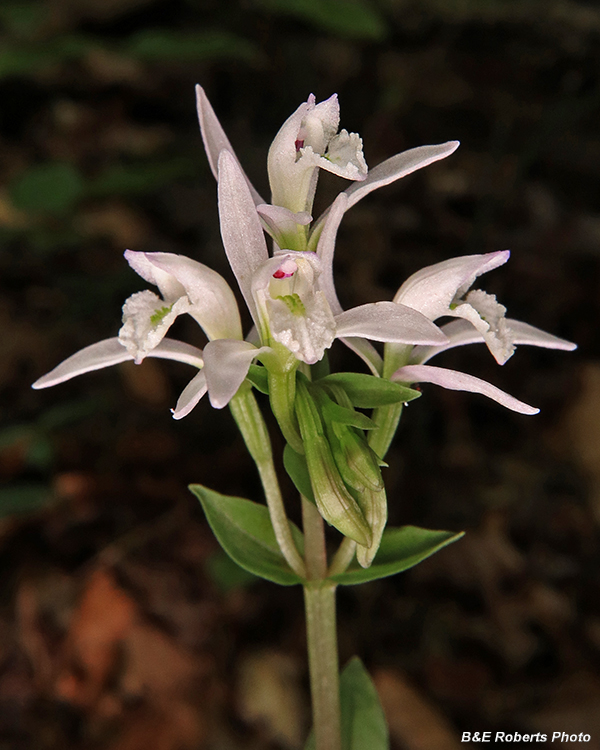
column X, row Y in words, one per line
column 122, row 626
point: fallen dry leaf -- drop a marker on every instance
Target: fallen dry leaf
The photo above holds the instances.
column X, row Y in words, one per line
column 414, row 722
column 269, row 695
column 97, row 629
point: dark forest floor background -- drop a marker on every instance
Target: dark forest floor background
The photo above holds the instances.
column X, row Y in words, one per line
column 122, row 627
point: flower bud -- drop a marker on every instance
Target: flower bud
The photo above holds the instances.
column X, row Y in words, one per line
column 335, row 503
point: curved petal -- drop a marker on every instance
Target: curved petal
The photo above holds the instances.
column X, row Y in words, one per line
column 389, row 171
column 461, row 333
column 367, row 352
column 170, row 288
column 399, row 166
column 226, row 364
column 326, row 249
column 111, row 352
column 190, row 395
column 241, row 230
column 388, row 321
column 284, row 226
column 460, row 381
column 214, row 138
column 433, row 289
column 214, row 304
column 281, row 159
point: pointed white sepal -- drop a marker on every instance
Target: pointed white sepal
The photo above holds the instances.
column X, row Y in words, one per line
column 111, row 352
column 241, row 230
column 460, row 381
column 215, row 140
column 461, row 333
column 190, row 396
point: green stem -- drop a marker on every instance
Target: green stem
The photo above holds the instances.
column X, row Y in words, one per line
column 321, row 633
column 282, row 394
column 249, row 419
column 315, row 553
column 343, row 557
column 319, row 601
column 386, row 418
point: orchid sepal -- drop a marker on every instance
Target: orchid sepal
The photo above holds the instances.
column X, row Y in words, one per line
column 110, row 352
column 460, row 381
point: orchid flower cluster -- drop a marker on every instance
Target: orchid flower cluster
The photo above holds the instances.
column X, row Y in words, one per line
column 334, row 451
column 291, row 296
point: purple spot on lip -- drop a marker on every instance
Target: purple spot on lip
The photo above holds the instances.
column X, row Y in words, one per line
column 299, row 144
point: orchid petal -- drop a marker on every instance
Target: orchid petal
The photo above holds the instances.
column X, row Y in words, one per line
column 213, row 303
column 284, row 226
column 398, row 166
column 388, row 321
column 389, row 171
column 367, row 352
column 170, row 288
column 461, row 332
column 111, row 352
column 433, row 289
column 226, row 364
column 460, row 381
column 241, row 230
column 215, row 140
column 326, row 249
column 281, row 160
column 190, row 395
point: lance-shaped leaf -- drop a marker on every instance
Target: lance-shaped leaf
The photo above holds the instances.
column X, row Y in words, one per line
column 244, row 530
column 297, row 470
column 369, row 391
column 401, row 548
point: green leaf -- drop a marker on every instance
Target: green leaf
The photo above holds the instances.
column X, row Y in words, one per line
column 333, row 412
column 23, row 497
column 259, row 378
column 401, row 548
column 52, row 188
column 363, row 721
column 158, row 45
column 353, row 19
column 297, row 470
column 244, row 530
column 368, row 391
column 227, row 574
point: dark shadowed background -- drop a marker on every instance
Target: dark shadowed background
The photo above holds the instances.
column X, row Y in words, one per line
column 122, row 626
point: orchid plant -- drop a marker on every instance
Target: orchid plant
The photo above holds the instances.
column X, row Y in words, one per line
column 334, row 451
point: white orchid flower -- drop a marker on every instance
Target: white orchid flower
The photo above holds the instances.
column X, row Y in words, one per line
column 287, row 294
column 309, row 141
column 186, row 286
column 443, row 290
